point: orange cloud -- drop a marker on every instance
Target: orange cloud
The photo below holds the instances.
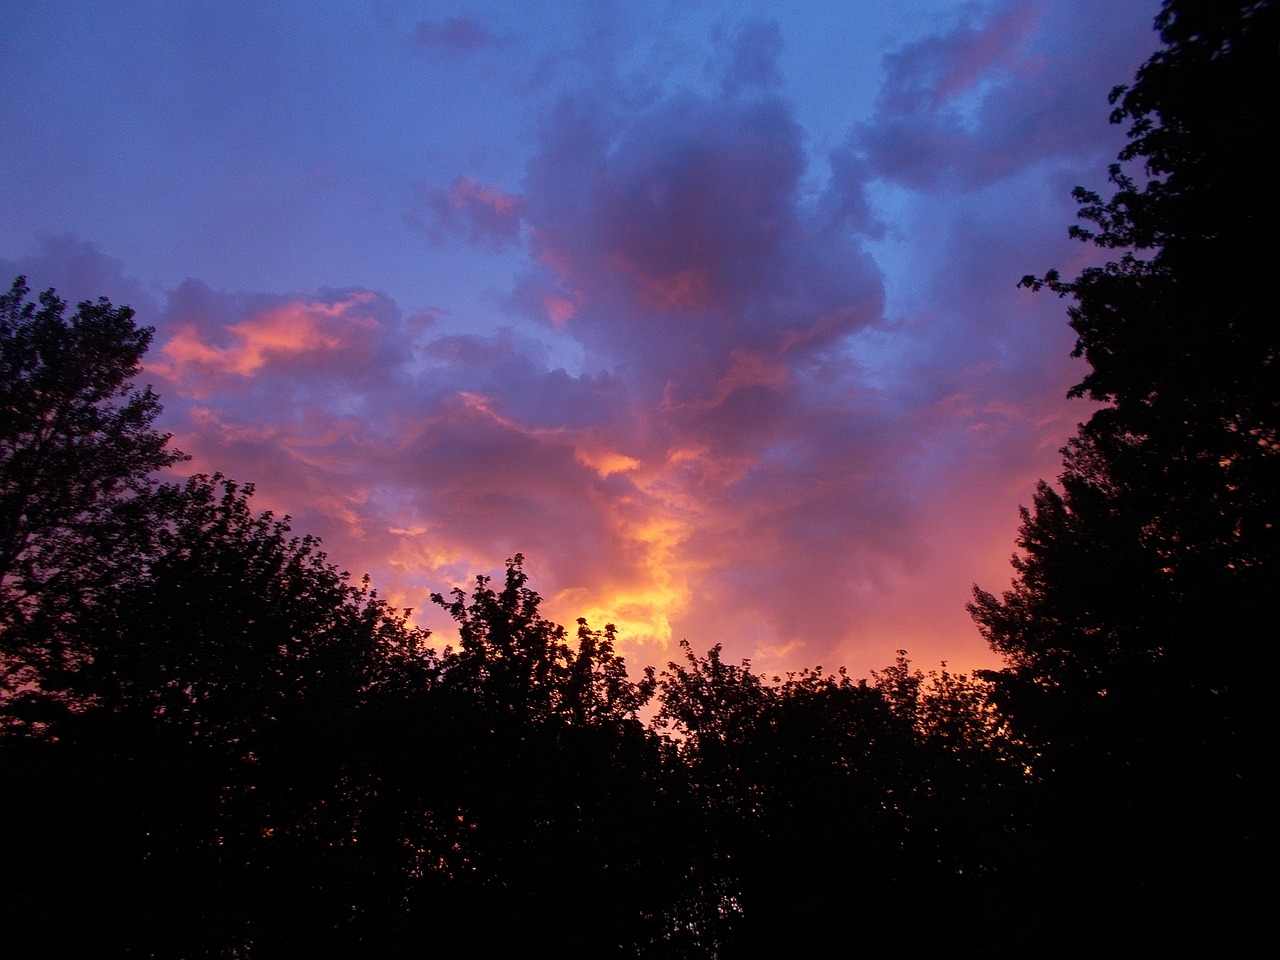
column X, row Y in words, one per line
column 605, row 462
column 289, row 331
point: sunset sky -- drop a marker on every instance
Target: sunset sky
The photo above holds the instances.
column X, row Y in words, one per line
column 708, row 308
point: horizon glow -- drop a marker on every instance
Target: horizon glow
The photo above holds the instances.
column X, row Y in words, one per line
column 709, row 310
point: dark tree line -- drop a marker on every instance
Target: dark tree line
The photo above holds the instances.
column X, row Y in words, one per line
column 1138, row 630
column 215, row 743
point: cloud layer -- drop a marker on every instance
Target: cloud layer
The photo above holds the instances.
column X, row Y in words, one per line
column 737, row 391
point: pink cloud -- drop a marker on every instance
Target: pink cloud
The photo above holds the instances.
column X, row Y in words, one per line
column 934, row 71
column 288, row 332
column 720, row 459
column 747, row 446
column 484, row 215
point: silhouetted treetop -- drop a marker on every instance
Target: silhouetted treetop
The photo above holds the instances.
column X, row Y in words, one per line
column 77, row 448
column 514, row 660
column 230, row 622
column 1138, row 672
column 1164, row 530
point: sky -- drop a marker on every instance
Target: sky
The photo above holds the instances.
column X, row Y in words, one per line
column 709, row 309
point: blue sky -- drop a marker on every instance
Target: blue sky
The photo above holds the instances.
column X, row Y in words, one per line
column 708, row 308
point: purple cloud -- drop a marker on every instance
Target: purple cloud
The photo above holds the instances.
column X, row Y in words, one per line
column 676, row 244
column 743, row 397
column 720, row 454
column 484, row 215
column 753, row 58
column 454, row 36
column 80, row 271
column 966, row 108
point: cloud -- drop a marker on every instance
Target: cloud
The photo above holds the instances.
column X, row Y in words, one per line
column 998, row 92
column 940, row 69
column 675, row 243
column 80, row 271
column 290, row 333
column 713, row 424
column 753, row 58
column 455, row 36
column 216, row 342
column 722, row 457
column 485, row 215
column 730, row 402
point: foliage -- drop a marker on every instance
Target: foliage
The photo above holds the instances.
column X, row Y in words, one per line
column 818, row 795
column 77, row 450
column 231, row 622
column 210, row 718
column 1163, row 533
column 513, row 659
column 1136, row 667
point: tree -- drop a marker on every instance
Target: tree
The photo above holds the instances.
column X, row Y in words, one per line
column 200, row 766
column 204, row 766
column 1164, row 533
column 1136, row 666
column 553, row 782
column 817, row 796
column 512, row 659
column 231, row 623
column 77, row 450
column 216, row 740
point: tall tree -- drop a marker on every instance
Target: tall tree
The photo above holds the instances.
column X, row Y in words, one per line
column 1163, row 536
column 1132, row 631
column 77, row 447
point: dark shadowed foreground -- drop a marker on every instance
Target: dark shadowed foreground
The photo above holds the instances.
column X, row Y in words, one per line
column 215, row 743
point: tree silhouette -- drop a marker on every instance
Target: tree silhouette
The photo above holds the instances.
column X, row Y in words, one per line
column 198, row 772
column 513, row 659
column 555, row 784
column 817, row 796
column 231, row 622
column 217, row 744
column 1135, row 663
column 77, row 449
